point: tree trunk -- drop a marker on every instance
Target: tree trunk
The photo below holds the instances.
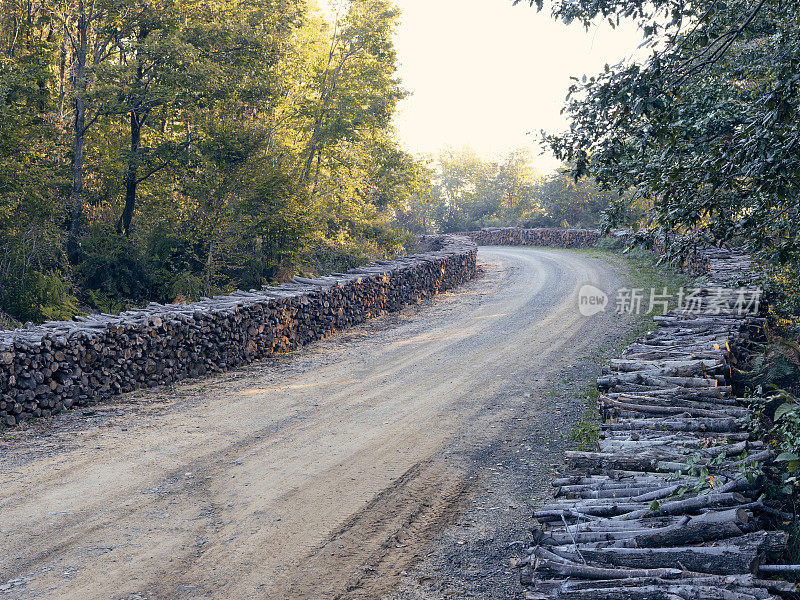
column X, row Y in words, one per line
column 79, row 140
column 208, row 275
column 132, row 175
column 62, row 71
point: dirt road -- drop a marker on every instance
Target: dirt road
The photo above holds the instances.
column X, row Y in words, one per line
column 325, row 474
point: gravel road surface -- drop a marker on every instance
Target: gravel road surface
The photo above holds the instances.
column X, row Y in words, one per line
column 398, row 459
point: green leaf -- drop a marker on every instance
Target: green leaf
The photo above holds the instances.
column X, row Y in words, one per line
column 787, row 456
column 783, row 409
column 655, row 506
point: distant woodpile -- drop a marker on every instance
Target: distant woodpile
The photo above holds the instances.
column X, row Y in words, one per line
column 61, row 364
column 548, row 237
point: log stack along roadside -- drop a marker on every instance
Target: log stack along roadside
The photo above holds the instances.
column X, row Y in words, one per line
column 549, row 237
column 663, row 508
column 61, row 364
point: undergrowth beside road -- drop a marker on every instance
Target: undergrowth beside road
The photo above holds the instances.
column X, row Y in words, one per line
column 771, row 379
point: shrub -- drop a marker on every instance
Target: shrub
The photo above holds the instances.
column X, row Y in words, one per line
column 610, row 242
column 113, row 269
column 34, row 275
column 175, row 267
column 775, row 417
column 540, row 221
column 36, row 296
column 782, row 285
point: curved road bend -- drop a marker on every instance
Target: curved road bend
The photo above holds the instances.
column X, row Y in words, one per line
column 320, row 475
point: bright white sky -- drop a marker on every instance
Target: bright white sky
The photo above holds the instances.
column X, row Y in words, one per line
column 484, row 73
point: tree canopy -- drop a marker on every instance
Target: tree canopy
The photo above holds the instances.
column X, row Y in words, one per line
column 469, row 192
column 159, row 151
column 707, row 127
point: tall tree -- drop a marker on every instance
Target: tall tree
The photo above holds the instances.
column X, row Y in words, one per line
column 357, row 89
column 472, row 192
column 183, row 147
column 92, row 28
column 579, row 203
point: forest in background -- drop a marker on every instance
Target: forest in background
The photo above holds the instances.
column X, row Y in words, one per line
column 469, row 192
column 167, row 150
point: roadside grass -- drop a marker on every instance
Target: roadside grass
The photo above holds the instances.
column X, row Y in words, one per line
column 641, row 270
column 584, row 434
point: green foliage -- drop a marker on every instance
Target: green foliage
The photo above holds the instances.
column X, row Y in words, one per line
column 279, row 223
column 101, row 301
column 33, row 284
column 773, row 382
column 707, row 128
column 471, row 192
column 705, row 482
column 775, row 417
column 173, row 266
column 114, row 267
column 793, row 554
column 778, row 366
column 576, row 203
column 37, row 296
column 610, row 242
column 584, row 435
column 782, row 285
column 225, row 144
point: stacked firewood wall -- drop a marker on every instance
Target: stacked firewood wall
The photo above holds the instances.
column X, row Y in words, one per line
column 664, row 508
column 57, row 365
column 549, row 237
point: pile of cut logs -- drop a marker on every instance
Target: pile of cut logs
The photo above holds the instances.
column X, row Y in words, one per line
column 60, row 364
column 664, row 508
column 549, row 237
column 723, row 266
